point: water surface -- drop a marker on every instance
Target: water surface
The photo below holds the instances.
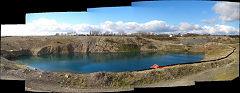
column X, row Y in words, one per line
column 107, row 62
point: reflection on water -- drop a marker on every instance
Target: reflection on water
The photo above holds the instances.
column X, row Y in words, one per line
column 109, row 62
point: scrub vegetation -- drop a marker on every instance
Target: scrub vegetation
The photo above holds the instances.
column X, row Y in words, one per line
column 129, row 47
column 13, row 46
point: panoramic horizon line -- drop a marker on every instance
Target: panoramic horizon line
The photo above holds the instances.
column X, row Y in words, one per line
column 44, row 26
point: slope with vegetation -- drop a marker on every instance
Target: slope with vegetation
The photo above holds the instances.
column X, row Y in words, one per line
column 19, row 46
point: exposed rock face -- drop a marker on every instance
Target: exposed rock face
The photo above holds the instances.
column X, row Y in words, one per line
column 45, row 50
column 59, row 49
column 70, row 48
column 194, row 41
column 63, row 45
column 104, row 79
column 13, row 54
column 56, row 50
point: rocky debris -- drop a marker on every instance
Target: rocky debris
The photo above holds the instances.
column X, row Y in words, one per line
column 104, row 79
column 67, row 76
column 194, row 41
column 70, row 48
column 3, row 68
column 122, row 79
column 14, row 54
column 45, row 50
column 26, row 71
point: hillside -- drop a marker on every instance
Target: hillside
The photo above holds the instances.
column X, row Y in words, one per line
column 179, row 74
column 40, row 45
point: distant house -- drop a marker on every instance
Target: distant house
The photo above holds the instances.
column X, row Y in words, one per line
column 170, row 35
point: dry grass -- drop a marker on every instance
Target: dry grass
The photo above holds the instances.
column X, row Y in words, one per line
column 129, row 79
column 139, row 78
column 233, row 70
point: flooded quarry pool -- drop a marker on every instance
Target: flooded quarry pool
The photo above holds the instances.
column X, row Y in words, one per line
column 105, row 62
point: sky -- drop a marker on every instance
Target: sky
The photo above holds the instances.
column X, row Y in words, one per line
column 163, row 17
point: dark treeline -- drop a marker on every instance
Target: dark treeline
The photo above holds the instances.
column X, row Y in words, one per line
column 139, row 33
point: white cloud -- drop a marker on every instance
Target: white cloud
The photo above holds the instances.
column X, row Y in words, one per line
column 22, row 30
column 83, row 28
column 50, row 27
column 217, row 30
column 43, row 22
column 228, row 11
column 188, row 27
column 130, row 27
column 209, row 21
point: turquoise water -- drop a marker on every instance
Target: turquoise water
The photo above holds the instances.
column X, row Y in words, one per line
column 105, row 62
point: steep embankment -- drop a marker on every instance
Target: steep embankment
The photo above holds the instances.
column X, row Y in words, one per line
column 40, row 45
column 64, row 81
column 112, row 80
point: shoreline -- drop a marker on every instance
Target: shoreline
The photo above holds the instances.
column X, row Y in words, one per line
column 107, row 81
column 206, row 75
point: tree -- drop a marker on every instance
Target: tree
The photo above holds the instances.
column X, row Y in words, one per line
column 153, row 33
column 57, row 34
column 122, row 33
column 95, row 33
column 191, row 34
column 108, row 33
column 140, row 33
column 149, row 33
column 179, row 34
column 133, row 34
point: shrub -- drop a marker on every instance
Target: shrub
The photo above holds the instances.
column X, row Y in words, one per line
column 151, row 46
column 110, row 41
column 59, row 42
column 128, row 47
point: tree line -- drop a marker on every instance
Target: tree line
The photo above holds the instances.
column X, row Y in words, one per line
column 121, row 33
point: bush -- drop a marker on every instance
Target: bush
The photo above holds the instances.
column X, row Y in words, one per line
column 110, row 41
column 161, row 37
column 129, row 47
column 151, row 46
column 59, row 42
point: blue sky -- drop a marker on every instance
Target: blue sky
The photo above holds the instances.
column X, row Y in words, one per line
column 167, row 17
column 173, row 12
